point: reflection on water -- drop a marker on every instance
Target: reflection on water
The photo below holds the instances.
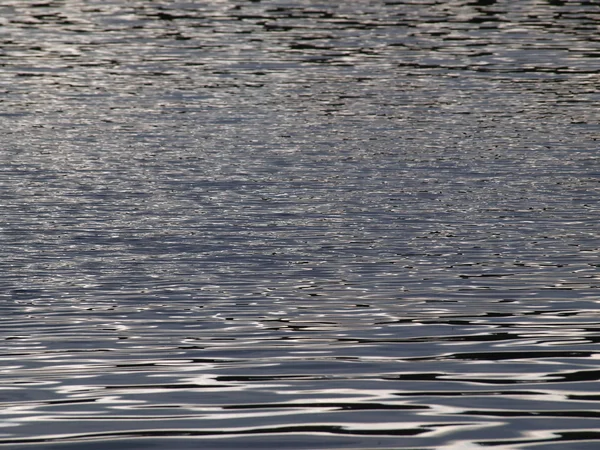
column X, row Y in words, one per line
column 293, row 224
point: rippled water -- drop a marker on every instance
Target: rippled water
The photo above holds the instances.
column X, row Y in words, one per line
column 300, row 224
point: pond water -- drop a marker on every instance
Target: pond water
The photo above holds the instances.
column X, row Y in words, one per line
column 299, row 224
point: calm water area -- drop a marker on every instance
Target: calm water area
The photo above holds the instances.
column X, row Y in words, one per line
column 299, row 224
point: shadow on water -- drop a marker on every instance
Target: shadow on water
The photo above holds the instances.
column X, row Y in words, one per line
column 290, row 224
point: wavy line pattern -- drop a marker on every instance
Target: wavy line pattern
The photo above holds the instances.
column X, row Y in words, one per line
column 299, row 224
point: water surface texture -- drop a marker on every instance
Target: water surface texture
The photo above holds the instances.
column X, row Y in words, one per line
column 299, row 224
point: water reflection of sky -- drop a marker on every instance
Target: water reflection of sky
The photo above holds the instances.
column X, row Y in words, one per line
column 299, row 225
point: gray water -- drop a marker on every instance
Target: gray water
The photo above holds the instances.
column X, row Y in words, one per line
column 299, row 224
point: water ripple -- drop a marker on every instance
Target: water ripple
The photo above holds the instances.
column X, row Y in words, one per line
column 290, row 224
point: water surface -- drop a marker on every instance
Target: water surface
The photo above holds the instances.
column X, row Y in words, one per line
column 298, row 224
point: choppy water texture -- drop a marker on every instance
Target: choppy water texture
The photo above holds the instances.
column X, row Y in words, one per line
column 299, row 224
